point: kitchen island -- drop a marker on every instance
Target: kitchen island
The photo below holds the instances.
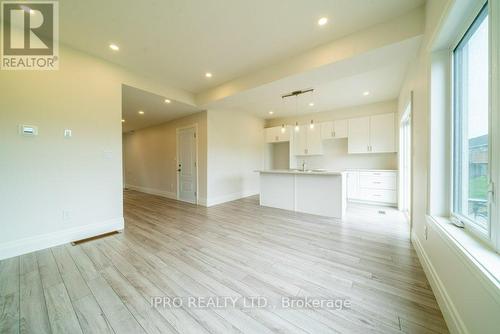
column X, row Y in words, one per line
column 312, row 191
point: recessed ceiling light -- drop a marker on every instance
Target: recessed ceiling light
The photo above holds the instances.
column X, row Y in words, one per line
column 311, row 104
column 366, row 93
column 123, row 121
column 208, row 75
column 167, row 101
column 271, row 112
column 141, row 112
column 114, row 47
column 322, row 21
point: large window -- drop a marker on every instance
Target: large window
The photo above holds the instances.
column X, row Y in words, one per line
column 471, row 127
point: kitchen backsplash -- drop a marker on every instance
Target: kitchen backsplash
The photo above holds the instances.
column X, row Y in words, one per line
column 335, row 157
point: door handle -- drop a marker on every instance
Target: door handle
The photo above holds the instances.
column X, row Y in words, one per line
column 179, row 170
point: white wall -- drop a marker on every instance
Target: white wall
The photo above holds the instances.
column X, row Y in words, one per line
column 335, row 156
column 467, row 300
column 40, row 177
column 150, row 157
column 235, row 150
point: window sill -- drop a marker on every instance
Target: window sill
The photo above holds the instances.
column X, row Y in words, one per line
column 483, row 261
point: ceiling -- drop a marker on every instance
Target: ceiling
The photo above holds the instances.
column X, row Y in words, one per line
column 156, row 111
column 177, row 41
column 380, row 72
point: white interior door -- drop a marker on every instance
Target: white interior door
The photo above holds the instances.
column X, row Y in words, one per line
column 187, row 165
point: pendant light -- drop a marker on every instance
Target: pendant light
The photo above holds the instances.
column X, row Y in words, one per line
column 296, row 93
column 283, row 129
column 311, row 104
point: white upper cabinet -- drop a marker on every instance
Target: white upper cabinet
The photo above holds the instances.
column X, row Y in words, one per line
column 277, row 134
column 314, row 144
column 382, row 133
column 359, row 135
column 334, row 129
column 327, row 130
column 341, row 128
column 301, row 140
column 308, row 140
column 374, row 134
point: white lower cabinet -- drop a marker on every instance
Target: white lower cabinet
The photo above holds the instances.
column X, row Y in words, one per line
column 372, row 186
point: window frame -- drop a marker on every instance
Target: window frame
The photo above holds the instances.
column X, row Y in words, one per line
column 484, row 8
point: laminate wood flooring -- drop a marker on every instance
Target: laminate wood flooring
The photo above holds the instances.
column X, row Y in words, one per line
column 237, row 251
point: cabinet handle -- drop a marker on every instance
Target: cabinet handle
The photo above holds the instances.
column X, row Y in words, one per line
column 376, row 182
column 277, row 138
column 333, row 133
column 305, row 151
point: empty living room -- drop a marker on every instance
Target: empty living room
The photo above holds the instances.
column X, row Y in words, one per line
column 264, row 166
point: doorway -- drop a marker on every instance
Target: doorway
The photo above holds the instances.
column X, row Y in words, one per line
column 405, row 161
column 187, row 164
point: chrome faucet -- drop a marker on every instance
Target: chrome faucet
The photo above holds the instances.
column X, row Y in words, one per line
column 303, row 165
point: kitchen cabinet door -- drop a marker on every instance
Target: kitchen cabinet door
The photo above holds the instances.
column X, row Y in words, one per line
column 382, row 128
column 271, row 134
column 352, row 185
column 358, row 135
column 340, row 129
column 327, row 130
column 284, row 133
column 334, row 130
column 314, row 143
column 276, row 134
column 301, row 140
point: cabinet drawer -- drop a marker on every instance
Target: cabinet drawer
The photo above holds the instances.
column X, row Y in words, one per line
column 378, row 180
column 378, row 195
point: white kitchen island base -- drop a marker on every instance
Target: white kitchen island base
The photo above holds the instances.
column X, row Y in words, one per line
column 318, row 193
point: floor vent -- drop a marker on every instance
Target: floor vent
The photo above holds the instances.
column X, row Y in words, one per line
column 77, row 242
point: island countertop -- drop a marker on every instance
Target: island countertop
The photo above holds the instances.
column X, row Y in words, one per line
column 299, row 172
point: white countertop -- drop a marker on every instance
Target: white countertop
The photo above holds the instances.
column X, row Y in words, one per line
column 298, row 172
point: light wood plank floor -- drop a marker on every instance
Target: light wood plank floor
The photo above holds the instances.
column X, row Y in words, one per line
column 235, row 249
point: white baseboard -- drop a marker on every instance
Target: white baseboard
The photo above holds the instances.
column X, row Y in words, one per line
column 202, row 201
column 450, row 313
column 229, row 198
column 47, row 240
column 153, row 191
column 359, row 201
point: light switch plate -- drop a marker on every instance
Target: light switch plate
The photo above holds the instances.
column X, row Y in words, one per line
column 68, row 133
